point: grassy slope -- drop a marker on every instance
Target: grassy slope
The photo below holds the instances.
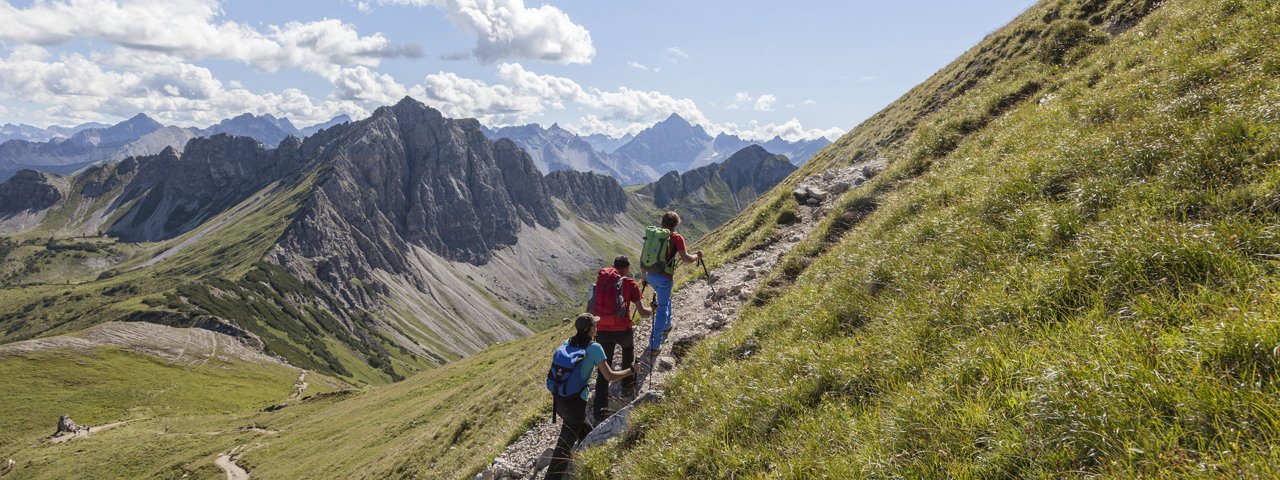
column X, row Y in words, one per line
column 1083, row 284
column 447, row 422
column 173, row 408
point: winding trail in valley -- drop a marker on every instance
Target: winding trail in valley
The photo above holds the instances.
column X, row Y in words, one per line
column 701, row 309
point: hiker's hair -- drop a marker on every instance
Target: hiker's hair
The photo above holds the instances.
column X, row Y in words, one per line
column 670, row 220
column 620, row 262
column 581, row 339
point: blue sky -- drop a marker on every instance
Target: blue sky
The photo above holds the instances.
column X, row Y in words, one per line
column 756, row 68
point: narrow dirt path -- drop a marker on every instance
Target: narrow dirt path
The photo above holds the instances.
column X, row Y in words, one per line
column 301, row 386
column 227, row 462
column 86, row 431
column 700, row 309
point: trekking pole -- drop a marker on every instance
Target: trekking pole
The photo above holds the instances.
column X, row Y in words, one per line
column 704, row 270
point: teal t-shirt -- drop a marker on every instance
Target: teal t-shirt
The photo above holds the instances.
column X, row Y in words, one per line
column 595, row 355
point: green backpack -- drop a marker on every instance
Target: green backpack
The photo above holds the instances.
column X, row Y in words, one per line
column 655, row 256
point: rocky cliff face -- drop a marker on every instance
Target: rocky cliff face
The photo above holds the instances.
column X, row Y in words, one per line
column 593, row 196
column 28, row 190
column 409, row 177
column 174, row 193
column 743, row 176
column 756, row 169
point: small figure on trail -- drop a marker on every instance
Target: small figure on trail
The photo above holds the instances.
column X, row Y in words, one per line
column 571, row 368
column 662, row 246
column 612, row 297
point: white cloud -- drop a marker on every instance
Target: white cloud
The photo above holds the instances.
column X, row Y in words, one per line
column 75, row 88
column 790, row 130
column 809, row 102
column 362, row 85
column 507, row 29
column 739, row 99
column 590, row 123
column 765, row 103
column 523, row 94
column 630, row 105
column 192, row 30
column 676, row 54
column 637, row 65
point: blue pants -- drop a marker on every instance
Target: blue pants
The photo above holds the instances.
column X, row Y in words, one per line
column 662, row 318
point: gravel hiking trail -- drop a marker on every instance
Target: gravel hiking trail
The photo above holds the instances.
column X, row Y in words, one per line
column 699, row 309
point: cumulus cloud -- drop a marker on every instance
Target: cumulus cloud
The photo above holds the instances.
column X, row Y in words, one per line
column 192, row 30
column 523, row 94
column 507, row 29
column 362, row 85
column 765, row 103
column 791, row 130
column 110, row 86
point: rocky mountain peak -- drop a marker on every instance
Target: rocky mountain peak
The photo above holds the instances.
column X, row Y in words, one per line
column 28, row 190
column 593, row 196
column 675, row 120
column 408, row 176
column 176, row 192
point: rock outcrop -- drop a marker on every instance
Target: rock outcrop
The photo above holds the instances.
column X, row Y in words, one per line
column 28, row 190
column 176, row 192
column 749, row 172
column 67, row 427
column 593, row 196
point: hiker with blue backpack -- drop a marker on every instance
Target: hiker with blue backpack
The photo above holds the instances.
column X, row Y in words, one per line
column 611, row 298
column 662, row 247
column 571, row 369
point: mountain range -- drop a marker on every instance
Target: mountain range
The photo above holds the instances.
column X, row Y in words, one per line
column 66, row 150
column 672, row 145
column 403, row 239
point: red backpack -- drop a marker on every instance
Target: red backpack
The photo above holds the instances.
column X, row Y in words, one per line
column 606, row 294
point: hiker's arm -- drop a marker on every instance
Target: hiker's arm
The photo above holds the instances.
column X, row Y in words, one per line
column 644, row 312
column 690, row 258
column 610, row 374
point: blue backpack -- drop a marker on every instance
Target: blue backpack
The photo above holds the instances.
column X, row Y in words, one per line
column 563, row 379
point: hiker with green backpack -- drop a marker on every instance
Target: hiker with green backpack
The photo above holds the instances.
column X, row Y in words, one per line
column 567, row 379
column 662, row 247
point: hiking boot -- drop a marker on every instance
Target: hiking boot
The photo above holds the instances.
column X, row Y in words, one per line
column 605, row 413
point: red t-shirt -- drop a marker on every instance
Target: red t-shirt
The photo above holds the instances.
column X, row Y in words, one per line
column 614, row 323
column 677, row 245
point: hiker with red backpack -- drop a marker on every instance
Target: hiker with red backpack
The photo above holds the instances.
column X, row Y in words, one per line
column 571, row 367
column 612, row 297
column 662, row 246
